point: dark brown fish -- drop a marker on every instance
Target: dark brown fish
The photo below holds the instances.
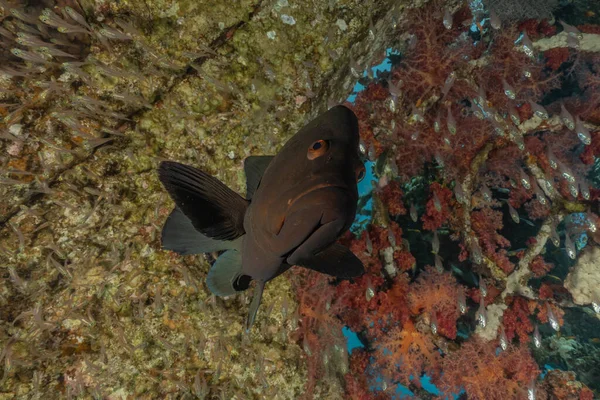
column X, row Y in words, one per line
column 298, row 203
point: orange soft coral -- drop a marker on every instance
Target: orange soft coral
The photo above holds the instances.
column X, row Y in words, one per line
column 436, row 294
column 406, row 353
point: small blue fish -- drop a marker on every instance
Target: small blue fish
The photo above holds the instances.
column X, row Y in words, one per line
column 298, row 203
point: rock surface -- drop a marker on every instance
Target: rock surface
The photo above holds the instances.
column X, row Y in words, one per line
column 89, row 303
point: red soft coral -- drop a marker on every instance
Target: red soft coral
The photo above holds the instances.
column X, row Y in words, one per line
column 486, row 223
column 437, row 207
column 484, row 375
column 391, row 196
column 516, row 321
column 539, row 267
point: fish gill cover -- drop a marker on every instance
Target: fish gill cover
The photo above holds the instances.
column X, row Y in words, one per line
column 481, row 245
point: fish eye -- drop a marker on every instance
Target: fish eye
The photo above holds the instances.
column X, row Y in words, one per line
column 317, row 149
column 360, row 173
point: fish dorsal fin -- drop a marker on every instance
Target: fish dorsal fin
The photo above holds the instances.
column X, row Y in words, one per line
column 335, row 260
column 180, row 236
column 254, row 167
column 214, row 210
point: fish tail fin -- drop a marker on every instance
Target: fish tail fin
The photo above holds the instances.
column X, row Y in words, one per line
column 213, row 209
column 225, row 277
column 256, row 300
column 180, row 236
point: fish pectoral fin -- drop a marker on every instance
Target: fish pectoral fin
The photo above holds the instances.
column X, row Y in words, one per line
column 335, row 260
column 180, row 236
column 256, row 299
column 254, row 167
column 214, row 210
column 225, row 277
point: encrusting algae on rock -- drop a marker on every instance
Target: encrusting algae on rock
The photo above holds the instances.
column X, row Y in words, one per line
column 89, row 304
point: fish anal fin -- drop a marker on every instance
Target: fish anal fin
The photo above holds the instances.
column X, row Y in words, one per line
column 256, row 300
column 335, row 260
column 214, row 210
column 254, row 167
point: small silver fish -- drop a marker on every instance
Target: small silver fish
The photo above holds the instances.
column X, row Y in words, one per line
column 476, row 254
column 391, row 238
column 566, row 117
column 539, row 194
column 371, row 153
column 29, row 56
column 370, row 292
column 531, row 391
column 113, row 33
column 462, row 302
column 566, row 172
column 451, row 122
column 486, row 193
column 27, row 39
column 437, row 123
column 573, row 189
column 80, row 19
column 436, row 202
column 554, row 235
column 513, row 213
column 574, row 35
column 503, row 339
column 459, row 193
column 584, row 189
column 495, row 21
column 537, row 338
column 413, row 213
column 524, row 179
column 435, row 243
column 552, row 160
column 583, row 133
column 514, row 116
column 527, row 45
column 591, row 220
column 482, row 286
column 538, row 110
column 509, row 91
column 448, row 19
column 439, row 266
column 570, row 247
column 481, row 314
column 596, row 306
column 392, row 104
column 552, row 319
column 417, row 114
column 54, row 52
column 433, row 323
column 394, row 89
column 449, row 82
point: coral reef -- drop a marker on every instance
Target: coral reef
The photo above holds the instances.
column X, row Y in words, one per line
column 484, row 135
